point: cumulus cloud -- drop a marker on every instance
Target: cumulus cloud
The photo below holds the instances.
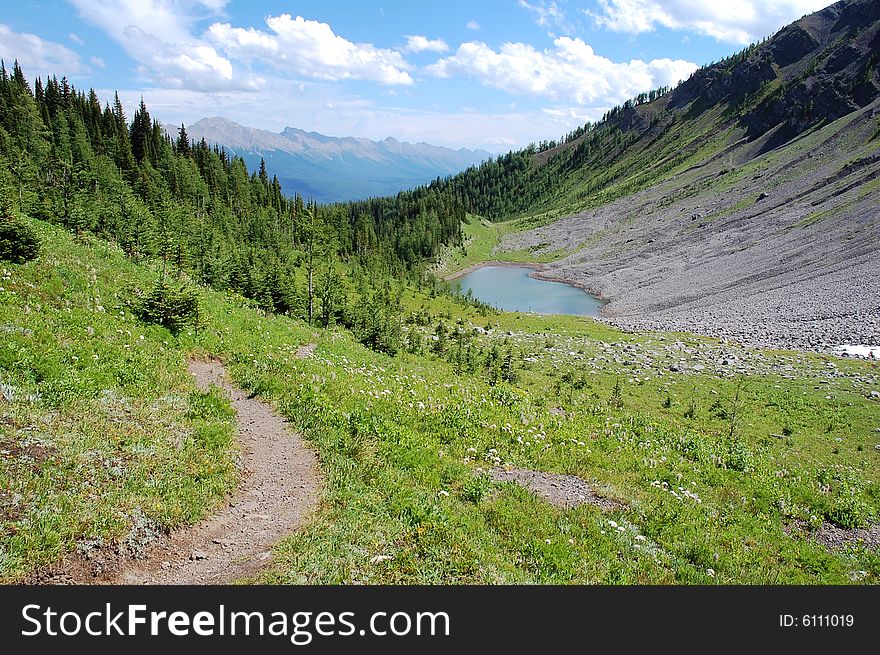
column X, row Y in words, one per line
column 37, row 56
column 165, row 18
column 570, row 72
column 311, row 48
column 473, row 25
column 416, row 43
column 740, row 21
column 76, row 38
column 157, row 34
column 195, row 66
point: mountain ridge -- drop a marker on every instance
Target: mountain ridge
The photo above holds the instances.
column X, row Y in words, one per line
column 333, row 169
column 741, row 203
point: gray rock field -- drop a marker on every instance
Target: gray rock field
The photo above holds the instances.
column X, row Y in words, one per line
column 771, row 247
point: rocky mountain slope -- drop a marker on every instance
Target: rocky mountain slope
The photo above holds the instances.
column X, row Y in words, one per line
column 768, row 230
column 330, row 169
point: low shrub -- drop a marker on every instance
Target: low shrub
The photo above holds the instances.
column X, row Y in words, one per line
column 174, row 305
column 18, row 241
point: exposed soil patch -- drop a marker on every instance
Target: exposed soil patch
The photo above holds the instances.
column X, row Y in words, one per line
column 560, row 490
column 8, row 510
column 34, row 454
column 837, row 538
column 306, row 351
column 280, row 487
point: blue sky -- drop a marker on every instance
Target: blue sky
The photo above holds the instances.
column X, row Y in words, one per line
column 492, row 74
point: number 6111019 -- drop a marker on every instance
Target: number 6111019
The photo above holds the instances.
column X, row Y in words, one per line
column 816, row 621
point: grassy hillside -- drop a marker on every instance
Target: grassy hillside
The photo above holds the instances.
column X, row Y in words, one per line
column 103, row 437
column 809, row 74
column 479, row 241
column 725, row 464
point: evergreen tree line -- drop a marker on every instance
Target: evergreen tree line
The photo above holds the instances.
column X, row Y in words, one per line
column 641, row 99
column 515, row 182
column 68, row 159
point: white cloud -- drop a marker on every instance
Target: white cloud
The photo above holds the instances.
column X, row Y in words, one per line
column 416, row 43
column 160, row 18
column 97, row 62
column 38, row 56
column 573, row 115
column 570, row 72
column 76, row 38
column 214, row 5
column 546, row 14
column 157, row 35
column 502, row 141
column 473, row 25
column 733, row 21
column 310, row 48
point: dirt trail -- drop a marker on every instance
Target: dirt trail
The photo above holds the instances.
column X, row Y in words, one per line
column 280, row 487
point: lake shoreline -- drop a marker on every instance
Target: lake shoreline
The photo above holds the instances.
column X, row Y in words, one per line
column 474, row 267
column 537, row 271
column 543, row 274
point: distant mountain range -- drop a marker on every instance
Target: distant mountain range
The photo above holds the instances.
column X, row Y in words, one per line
column 330, row 169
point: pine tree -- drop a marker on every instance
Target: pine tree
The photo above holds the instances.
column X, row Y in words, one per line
column 439, row 346
column 264, row 175
column 182, row 145
column 140, row 134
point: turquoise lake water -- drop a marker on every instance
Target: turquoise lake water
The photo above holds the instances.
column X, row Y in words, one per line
column 510, row 288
